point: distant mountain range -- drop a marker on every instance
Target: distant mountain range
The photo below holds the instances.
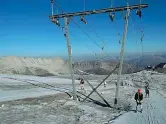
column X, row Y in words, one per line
column 56, row 66
column 148, row 60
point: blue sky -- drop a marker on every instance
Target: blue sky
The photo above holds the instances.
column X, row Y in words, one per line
column 27, row 31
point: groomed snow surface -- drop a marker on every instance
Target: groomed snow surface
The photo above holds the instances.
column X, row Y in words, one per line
column 154, row 112
column 21, row 102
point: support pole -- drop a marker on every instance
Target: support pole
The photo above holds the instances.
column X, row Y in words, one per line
column 90, row 12
column 102, row 82
column 52, row 7
column 70, row 58
column 108, row 105
column 121, row 58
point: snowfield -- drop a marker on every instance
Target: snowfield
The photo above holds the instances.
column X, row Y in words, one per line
column 42, row 100
column 16, row 87
column 154, row 111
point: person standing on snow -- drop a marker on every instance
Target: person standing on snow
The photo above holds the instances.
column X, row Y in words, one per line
column 105, row 83
column 147, row 90
column 139, row 97
column 82, row 84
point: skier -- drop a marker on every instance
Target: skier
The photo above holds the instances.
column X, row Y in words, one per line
column 82, row 84
column 139, row 97
column 147, row 90
column 105, row 83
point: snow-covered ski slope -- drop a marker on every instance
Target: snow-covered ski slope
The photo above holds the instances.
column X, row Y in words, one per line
column 14, row 87
column 154, row 112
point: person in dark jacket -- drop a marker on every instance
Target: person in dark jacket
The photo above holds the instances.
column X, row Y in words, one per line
column 139, row 97
column 147, row 90
column 82, row 84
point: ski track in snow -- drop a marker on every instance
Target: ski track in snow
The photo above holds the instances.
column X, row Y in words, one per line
column 154, row 112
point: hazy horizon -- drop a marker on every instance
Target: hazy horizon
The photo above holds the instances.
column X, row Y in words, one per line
column 93, row 57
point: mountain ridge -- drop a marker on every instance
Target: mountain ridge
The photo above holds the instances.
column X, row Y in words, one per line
column 55, row 65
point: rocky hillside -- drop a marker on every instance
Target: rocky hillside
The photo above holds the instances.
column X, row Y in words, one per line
column 32, row 66
column 102, row 68
column 56, row 66
column 161, row 68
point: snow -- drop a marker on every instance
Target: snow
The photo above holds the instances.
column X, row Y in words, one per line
column 35, row 78
column 154, row 112
column 60, row 109
column 15, row 87
column 12, row 81
column 19, row 94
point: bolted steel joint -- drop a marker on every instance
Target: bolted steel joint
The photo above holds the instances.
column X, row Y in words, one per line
column 112, row 16
column 83, row 20
column 139, row 13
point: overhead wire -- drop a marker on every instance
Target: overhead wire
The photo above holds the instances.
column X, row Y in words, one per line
column 62, row 29
column 52, row 7
column 57, row 1
column 84, row 5
column 141, row 38
column 79, row 27
column 141, row 43
column 87, row 35
column 84, row 32
column 95, row 32
column 56, row 88
column 94, row 53
column 98, row 60
column 100, row 38
column 135, row 32
column 74, row 36
column 87, row 47
column 111, row 3
column 142, row 35
column 37, row 85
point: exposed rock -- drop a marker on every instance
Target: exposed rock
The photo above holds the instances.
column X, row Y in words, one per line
column 33, row 66
column 56, row 66
column 102, row 68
